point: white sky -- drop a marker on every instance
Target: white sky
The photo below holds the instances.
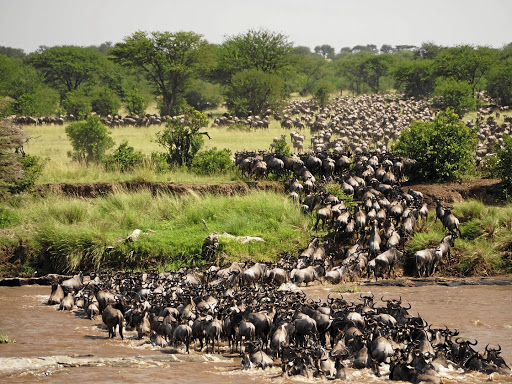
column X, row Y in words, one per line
column 27, row 24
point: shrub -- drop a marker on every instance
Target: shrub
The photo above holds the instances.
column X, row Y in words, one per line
column 32, row 169
column 182, row 138
column 212, row 161
column 203, row 95
column 444, row 149
column 124, row 158
column 136, row 103
column 455, row 94
column 77, row 104
column 282, row 148
column 90, row 139
column 41, row 102
column 253, row 91
column 105, row 101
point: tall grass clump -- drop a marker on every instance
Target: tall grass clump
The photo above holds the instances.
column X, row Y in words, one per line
column 69, row 234
column 486, row 237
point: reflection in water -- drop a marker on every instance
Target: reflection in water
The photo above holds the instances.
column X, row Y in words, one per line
column 481, row 312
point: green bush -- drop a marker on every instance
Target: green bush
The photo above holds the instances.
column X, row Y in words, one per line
column 8, row 217
column 181, row 137
column 32, row 169
column 136, row 103
column 203, row 95
column 105, row 101
column 78, row 104
column 499, row 82
column 212, row 161
column 124, row 158
column 444, row 149
column 455, row 94
column 41, row 102
column 253, row 91
column 90, row 139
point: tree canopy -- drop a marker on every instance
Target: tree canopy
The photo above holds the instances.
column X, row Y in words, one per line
column 168, row 60
column 68, row 67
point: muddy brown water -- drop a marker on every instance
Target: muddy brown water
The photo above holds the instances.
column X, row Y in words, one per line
column 478, row 312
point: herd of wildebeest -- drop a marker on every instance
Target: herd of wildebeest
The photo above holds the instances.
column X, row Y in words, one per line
column 257, row 309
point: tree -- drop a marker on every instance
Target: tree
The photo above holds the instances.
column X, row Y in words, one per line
column 351, row 67
column 386, row 48
column 262, row 50
column 13, row 53
column 66, row 68
column 12, row 138
column 444, row 149
column 253, row 91
column 465, row 63
column 21, row 83
column 499, row 82
column 415, row 78
column 322, row 91
column 325, row 50
column 374, row 67
column 428, row 51
column 311, row 68
column 455, row 94
column 90, row 140
column 168, row 60
column 181, row 137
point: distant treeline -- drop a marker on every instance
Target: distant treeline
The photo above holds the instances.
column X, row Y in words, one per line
column 251, row 72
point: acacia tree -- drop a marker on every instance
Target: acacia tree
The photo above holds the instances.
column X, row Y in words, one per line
column 66, row 68
column 465, row 63
column 168, row 60
column 263, row 50
column 415, row 78
column 254, row 63
column 325, row 50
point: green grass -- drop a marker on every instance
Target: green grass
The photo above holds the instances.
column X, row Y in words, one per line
column 68, row 233
column 51, row 144
column 486, row 241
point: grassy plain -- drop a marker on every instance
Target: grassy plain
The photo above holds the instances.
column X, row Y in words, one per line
column 52, row 145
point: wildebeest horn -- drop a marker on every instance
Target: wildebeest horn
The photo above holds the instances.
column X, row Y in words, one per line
column 499, row 348
column 410, row 306
column 475, row 343
column 457, row 340
column 486, row 350
column 382, row 299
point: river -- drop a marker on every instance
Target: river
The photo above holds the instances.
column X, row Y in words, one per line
column 56, row 347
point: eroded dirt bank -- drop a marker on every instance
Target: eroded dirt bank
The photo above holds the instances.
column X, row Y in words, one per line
column 89, row 190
